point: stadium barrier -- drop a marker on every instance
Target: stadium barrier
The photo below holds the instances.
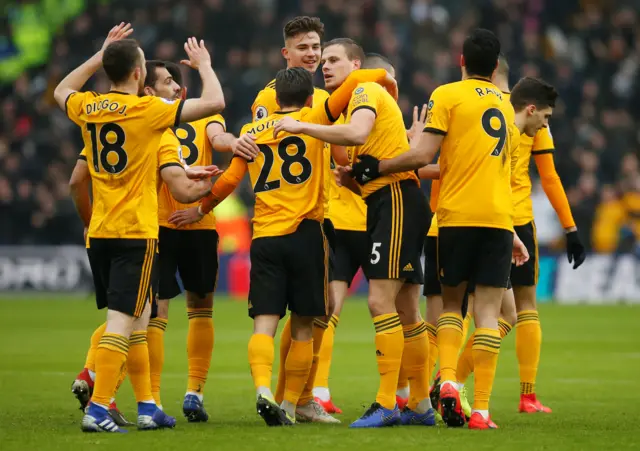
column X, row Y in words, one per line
column 602, row 279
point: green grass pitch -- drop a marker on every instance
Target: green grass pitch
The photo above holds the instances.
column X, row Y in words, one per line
column 589, row 375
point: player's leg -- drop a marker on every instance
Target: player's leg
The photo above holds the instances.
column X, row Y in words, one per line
column 198, row 267
column 433, row 293
column 528, row 330
column 82, row 386
column 397, row 216
column 415, row 357
column 168, row 288
column 491, row 277
column 267, row 305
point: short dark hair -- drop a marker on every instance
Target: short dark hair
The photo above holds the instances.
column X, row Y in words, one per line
column 533, row 91
column 152, row 77
column 293, row 87
column 303, row 24
column 480, row 51
column 351, row 48
column 377, row 61
column 120, row 59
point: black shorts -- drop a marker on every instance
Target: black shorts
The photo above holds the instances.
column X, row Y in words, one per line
column 350, row 254
column 479, row 254
column 124, row 273
column 290, row 271
column 397, row 219
column 527, row 274
column 431, row 279
column 192, row 253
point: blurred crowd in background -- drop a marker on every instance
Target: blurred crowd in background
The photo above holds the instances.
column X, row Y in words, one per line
column 589, row 49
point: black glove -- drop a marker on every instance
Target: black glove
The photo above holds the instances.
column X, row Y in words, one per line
column 366, row 169
column 575, row 249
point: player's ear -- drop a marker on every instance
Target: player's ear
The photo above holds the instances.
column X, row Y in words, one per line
column 148, row 91
column 285, row 53
column 531, row 109
column 183, row 94
column 357, row 64
column 462, row 61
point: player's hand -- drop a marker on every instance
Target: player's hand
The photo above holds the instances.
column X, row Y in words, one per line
column 391, row 86
column 245, row 147
column 366, row 169
column 203, row 172
column 287, row 124
column 117, row 33
column 418, row 122
column 575, row 249
column 520, row 254
column 181, row 218
column 342, row 175
column 197, row 53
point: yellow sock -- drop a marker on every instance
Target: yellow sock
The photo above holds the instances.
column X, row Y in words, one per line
column 111, row 355
column 466, row 323
column 90, row 363
column 297, row 367
column 285, row 344
column 200, row 339
column 326, row 352
column 415, row 358
column 486, row 347
column 155, row 341
column 261, row 354
column 465, row 361
column 319, row 328
column 528, row 342
column 433, row 350
column 121, row 378
column 449, row 338
column 389, row 347
column 138, row 366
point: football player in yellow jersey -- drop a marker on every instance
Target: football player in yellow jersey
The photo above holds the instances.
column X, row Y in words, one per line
column 289, row 251
column 122, row 134
column 469, row 122
column 396, row 224
column 532, row 99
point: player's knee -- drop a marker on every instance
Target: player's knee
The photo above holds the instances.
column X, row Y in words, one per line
column 434, row 308
column 266, row 324
column 162, row 309
column 197, row 300
column 301, row 327
column 119, row 323
column 525, row 298
column 408, row 304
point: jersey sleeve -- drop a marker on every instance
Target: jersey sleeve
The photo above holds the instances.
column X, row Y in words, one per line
column 225, row 185
column 75, row 103
column 265, row 103
column 217, row 119
column 162, row 113
column 438, row 112
column 542, row 142
column 169, row 153
column 552, row 186
column 365, row 97
column 83, row 154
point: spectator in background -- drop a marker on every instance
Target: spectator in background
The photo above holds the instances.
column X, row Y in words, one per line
column 589, row 49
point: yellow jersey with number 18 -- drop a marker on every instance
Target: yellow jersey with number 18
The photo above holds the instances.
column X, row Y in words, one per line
column 121, row 133
column 475, row 165
column 196, row 150
column 387, row 139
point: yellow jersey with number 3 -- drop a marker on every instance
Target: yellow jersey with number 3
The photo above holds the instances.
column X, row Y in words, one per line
column 195, row 148
column 121, row 133
column 388, row 137
column 288, row 175
column 475, row 155
column 541, row 143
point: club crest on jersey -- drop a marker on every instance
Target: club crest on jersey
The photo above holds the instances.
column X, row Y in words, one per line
column 430, row 105
column 261, row 113
column 360, row 90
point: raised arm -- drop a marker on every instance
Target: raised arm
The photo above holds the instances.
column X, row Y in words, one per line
column 79, row 76
column 243, row 146
column 211, row 101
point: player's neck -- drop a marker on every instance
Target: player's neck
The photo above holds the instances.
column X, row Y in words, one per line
column 127, row 88
column 289, row 109
column 521, row 119
column 502, row 84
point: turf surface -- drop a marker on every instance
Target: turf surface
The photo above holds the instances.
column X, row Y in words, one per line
column 589, row 375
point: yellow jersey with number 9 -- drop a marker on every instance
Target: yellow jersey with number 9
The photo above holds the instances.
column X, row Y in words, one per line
column 121, row 133
column 388, row 137
column 195, row 149
column 475, row 155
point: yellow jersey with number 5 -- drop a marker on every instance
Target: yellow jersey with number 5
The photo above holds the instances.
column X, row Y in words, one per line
column 195, row 148
column 475, row 119
column 121, row 133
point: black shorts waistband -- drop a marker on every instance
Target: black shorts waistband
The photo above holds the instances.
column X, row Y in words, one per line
column 386, row 190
